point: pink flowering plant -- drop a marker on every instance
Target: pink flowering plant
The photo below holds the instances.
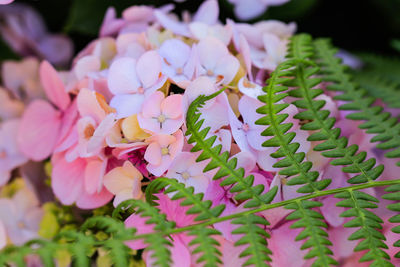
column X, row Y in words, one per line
column 196, row 143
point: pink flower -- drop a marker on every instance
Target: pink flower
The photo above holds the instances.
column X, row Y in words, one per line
column 111, row 25
column 3, row 235
column 44, row 126
column 6, row 2
column 95, row 123
column 186, row 170
column 162, row 150
column 249, row 9
column 215, row 61
column 10, row 156
column 20, row 216
column 160, row 114
column 80, row 181
column 124, row 182
column 132, row 81
column 179, row 67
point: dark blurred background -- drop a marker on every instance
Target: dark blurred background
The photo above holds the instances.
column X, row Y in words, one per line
column 355, row 25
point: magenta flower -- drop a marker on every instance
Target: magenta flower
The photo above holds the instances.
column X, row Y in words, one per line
column 160, row 114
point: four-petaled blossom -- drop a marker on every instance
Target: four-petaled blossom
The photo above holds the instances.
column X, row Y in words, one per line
column 162, row 150
column 215, row 61
column 178, row 66
column 124, row 182
column 132, row 81
column 160, row 114
column 186, row 170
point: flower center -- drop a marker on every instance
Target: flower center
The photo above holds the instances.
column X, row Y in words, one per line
column 248, row 84
column 21, row 225
column 161, row 118
column 179, row 71
column 164, row 151
column 284, row 181
column 185, row 175
column 140, row 90
column 3, row 154
column 89, row 131
column 245, row 127
column 210, row 73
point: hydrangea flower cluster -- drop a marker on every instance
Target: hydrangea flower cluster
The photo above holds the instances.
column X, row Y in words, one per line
column 116, row 120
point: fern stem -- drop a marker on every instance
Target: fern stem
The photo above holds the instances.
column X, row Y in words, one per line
column 264, row 207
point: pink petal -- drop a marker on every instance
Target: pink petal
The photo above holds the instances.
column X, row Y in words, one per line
column 208, row 12
column 211, row 50
column 97, row 141
column 39, row 130
column 152, row 105
column 181, row 256
column 172, row 106
column 148, row 68
column 92, row 201
column 175, row 52
column 127, row 105
column 67, row 178
column 56, row 48
column 122, row 77
column 93, row 176
column 67, row 124
column 53, row 86
column 153, row 154
column 135, row 221
column 168, row 23
column 171, row 125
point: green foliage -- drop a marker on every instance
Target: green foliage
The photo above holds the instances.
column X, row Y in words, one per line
column 299, row 76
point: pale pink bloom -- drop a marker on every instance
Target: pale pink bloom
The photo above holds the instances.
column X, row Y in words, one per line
column 26, row 33
column 215, row 61
column 10, row 156
column 21, row 216
column 207, row 14
column 186, row 170
column 45, row 125
column 95, row 122
column 132, row 81
column 80, row 181
column 132, row 45
column 249, row 88
column 160, row 114
column 179, row 61
column 180, row 251
column 124, row 182
column 162, row 150
column 6, row 2
column 249, row 9
column 22, row 79
column 9, row 107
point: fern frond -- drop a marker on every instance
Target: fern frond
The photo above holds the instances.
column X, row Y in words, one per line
column 384, row 67
column 242, row 186
column 376, row 120
column 292, row 162
column 206, row 246
column 394, row 194
column 158, row 244
column 372, row 240
column 198, row 205
column 387, row 91
column 81, row 248
column 313, row 224
column 255, row 237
